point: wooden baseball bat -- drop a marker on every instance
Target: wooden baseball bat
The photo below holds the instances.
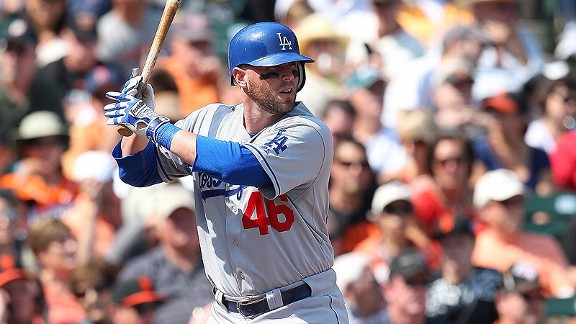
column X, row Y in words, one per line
column 163, row 26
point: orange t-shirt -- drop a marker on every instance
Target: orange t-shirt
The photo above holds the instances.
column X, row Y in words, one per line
column 77, row 220
column 193, row 92
column 540, row 250
column 63, row 307
column 415, row 21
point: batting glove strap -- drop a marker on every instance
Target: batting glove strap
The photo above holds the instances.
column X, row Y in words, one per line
column 160, row 131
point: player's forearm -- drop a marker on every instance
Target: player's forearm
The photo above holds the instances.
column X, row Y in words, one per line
column 133, row 144
column 184, row 145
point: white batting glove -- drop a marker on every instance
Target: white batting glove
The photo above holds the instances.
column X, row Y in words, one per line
column 146, row 91
column 134, row 114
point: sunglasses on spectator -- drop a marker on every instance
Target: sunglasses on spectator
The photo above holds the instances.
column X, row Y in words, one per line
column 532, row 295
column 566, row 98
column 401, row 209
column 417, row 281
column 512, row 202
column 45, row 141
column 457, row 160
column 100, row 287
column 348, row 164
column 145, row 308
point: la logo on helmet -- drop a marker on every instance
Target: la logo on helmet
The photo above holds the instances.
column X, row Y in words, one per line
column 284, row 41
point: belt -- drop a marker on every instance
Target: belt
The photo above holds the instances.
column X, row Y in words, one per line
column 255, row 307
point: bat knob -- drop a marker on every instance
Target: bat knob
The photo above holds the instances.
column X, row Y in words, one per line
column 124, row 131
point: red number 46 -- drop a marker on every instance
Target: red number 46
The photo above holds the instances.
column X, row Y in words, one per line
column 261, row 213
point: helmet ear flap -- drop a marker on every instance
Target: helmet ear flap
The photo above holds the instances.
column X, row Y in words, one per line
column 302, row 74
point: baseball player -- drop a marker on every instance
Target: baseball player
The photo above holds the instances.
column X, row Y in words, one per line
column 260, row 171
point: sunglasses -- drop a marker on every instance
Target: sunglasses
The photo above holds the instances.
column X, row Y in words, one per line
column 458, row 160
column 513, row 202
column 417, row 282
column 403, row 209
column 145, row 308
column 348, row 164
column 100, row 287
column 532, row 296
column 44, row 141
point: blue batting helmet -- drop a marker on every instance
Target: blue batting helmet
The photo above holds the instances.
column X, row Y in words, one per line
column 266, row 44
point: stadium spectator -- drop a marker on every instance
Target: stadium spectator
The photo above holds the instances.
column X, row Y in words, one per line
column 125, row 33
column 557, row 99
column 54, row 249
column 17, row 68
column 366, row 88
column 513, row 54
column 319, row 40
column 21, row 298
column 53, row 81
column 339, row 116
column 417, row 132
column 414, row 88
column 94, row 216
column 463, row 293
column 362, row 292
column 352, row 186
column 197, row 71
column 428, row 20
column 12, row 241
column 405, row 290
column 503, row 145
column 135, row 301
column 393, row 214
column 447, row 192
column 37, row 175
column 498, row 196
column 92, row 282
column 387, row 45
column 520, row 300
column 48, row 18
column 563, row 162
column 174, row 266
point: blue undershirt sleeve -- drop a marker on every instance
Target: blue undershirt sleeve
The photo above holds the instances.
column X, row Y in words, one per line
column 230, row 162
column 138, row 170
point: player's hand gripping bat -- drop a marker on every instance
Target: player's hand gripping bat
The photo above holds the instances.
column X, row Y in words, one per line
column 163, row 26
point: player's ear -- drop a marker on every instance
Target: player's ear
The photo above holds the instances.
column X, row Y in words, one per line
column 239, row 76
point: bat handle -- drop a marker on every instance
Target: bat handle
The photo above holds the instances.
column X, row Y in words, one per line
column 121, row 129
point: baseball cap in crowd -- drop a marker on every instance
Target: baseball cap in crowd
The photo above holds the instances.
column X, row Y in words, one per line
column 463, row 32
column 474, row 2
column 131, row 293
column 364, row 76
column 457, row 225
column 411, row 265
column 97, row 165
column 316, row 27
column 9, row 271
column 387, row 194
column 103, row 78
column 385, row 2
column 454, row 71
column 418, row 125
column 194, row 28
column 521, row 277
column 497, row 185
column 20, row 32
column 165, row 198
column 504, row 102
column 83, row 26
column 40, row 124
column 349, row 268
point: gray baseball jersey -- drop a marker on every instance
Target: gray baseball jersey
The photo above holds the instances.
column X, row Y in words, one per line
column 255, row 240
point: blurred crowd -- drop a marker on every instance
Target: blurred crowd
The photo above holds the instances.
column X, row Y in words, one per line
column 454, row 123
